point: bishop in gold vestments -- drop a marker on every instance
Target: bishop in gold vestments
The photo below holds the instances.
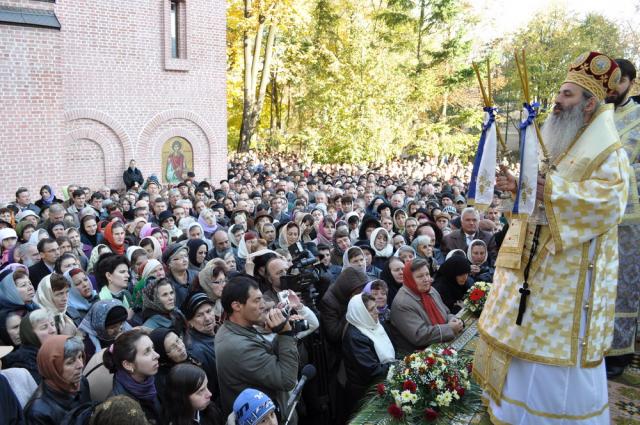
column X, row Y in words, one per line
column 549, row 369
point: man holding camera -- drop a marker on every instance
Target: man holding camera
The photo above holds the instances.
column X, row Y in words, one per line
column 250, row 360
column 275, row 269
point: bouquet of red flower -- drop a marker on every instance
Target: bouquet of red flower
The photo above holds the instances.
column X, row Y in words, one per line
column 426, row 385
column 476, row 297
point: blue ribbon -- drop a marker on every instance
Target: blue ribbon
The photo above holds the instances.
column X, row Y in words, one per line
column 532, row 109
column 478, row 160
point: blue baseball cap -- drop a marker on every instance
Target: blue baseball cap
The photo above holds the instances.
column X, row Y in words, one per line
column 251, row 406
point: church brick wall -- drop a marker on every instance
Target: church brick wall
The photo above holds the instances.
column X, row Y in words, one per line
column 77, row 103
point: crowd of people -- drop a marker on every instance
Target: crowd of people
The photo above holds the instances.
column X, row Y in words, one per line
column 182, row 299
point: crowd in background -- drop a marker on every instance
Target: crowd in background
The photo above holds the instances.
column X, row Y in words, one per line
column 200, row 303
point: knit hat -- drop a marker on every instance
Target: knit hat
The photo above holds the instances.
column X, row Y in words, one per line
column 164, row 216
column 7, row 233
column 173, row 250
column 193, row 302
column 24, row 214
column 251, row 406
column 449, row 209
column 119, row 410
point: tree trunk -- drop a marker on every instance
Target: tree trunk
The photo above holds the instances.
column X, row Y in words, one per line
column 252, row 106
column 420, row 23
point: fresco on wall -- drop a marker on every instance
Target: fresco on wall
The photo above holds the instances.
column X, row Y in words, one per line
column 177, row 159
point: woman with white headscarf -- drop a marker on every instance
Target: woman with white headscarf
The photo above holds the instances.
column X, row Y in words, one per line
column 380, row 241
column 53, row 296
column 366, row 347
column 354, row 257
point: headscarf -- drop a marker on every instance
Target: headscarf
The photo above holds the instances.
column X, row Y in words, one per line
column 445, row 279
column 44, row 298
column 86, row 238
column 477, row 242
column 27, row 335
column 428, row 303
column 358, row 316
column 93, row 324
column 51, row 197
column 150, row 299
column 131, row 226
column 323, row 238
column 232, row 238
column 158, row 335
column 405, row 248
column 395, row 219
column 243, row 251
column 345, row 259
column 146, row 230
column 387, row 250
column 51, row 226
column 205, row 280
column 195, row 224
column 51, row 364
column 282, row 237
column 76, row 300
column 206, row 227
column 194, row 245
column 456, row 253
column 8, row 290
column 144, row 271
column 108, row 236
column 419, row 240
column 35, row 236
column 7, row 309
column 157, row 248
column 95, row 256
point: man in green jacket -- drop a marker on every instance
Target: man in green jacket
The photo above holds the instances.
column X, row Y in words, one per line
column 248, row 359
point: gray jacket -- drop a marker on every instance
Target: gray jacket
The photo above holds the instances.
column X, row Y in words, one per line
column 245, row 359
column 410, row 327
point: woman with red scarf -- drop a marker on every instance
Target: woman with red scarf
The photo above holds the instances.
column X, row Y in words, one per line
column 114, row 235
column 419, row 318
column 60, row 362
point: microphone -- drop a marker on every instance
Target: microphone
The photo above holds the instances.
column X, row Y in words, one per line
column 308, row 372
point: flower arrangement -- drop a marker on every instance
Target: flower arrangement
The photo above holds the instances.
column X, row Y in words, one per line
column 476, row 297
column 426, row 385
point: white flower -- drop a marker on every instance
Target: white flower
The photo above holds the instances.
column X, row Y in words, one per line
column 407, row 409
column 440, row 384
column 406, row 396
column 444, row 399
column 390, row 372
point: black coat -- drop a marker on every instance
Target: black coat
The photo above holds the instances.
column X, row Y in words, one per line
column 24, row 357
column 202, row 348
column 38, row 271
column 132, row 176
column 360, row 360
column 9, row 404
column 49, row 407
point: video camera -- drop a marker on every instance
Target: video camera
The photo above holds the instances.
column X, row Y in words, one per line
column 303, row 275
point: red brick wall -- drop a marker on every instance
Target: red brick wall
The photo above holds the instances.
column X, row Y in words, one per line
column 77, row 104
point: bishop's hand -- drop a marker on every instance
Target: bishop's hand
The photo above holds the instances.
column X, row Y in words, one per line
column 506, row 181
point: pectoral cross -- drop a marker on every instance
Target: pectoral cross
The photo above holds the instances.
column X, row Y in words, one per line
column 525, row 291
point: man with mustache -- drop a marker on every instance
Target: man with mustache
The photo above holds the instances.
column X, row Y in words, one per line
column 627, row 117
column 548, row 321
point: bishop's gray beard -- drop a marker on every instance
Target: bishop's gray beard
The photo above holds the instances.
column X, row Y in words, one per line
column 559, row 130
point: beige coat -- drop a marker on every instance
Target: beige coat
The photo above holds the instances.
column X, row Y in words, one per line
column 410, row 327
column 99, row 377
